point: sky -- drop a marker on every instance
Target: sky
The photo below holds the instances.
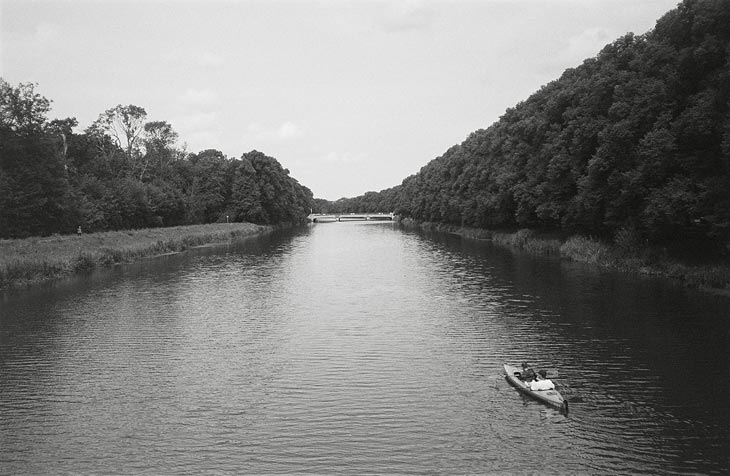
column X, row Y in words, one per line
column 350, row 96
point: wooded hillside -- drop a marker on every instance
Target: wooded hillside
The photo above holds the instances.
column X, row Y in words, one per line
column 124, row 172
column 633, row 144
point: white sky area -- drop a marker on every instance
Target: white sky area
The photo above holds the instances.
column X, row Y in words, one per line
column 350, row 96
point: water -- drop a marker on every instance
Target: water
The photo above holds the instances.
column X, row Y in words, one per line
column 356, row 348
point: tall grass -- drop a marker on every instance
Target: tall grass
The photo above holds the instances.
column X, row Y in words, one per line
column 33, row 260
column 528, row 241
column 646, row 260
column 587, row 250
column 626, row 253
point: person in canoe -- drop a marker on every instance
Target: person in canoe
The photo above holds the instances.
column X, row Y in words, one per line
column 541, row 382
column 527, row 374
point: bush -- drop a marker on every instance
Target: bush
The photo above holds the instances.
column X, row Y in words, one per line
column 585, row 250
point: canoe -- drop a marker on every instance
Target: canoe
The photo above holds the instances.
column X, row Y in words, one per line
column 550, row 397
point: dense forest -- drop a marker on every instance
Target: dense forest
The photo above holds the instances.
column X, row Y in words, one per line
column 124, row 172
column 632, row 145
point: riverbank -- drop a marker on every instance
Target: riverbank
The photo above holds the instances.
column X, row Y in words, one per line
column 625, row 255
column 34, row 260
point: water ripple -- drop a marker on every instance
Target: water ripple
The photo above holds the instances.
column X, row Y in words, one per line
column 355, row 350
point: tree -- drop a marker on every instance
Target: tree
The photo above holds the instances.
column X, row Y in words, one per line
column 22, row 110
column 35, row 197
column 159, row 140
column 635, row 140
column 207, row 186
column 63, row 128
column 124, row 125
column 246, row 197
column 264, row 193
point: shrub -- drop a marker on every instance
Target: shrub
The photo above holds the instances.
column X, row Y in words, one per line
column 585, row 250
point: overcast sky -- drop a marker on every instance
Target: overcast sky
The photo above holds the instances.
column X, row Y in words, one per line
column 350, row 96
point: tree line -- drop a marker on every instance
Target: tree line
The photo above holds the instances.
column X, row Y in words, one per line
column 633, row 144
column 124, row 172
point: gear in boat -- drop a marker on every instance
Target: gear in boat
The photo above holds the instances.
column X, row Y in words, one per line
column 536, row 385
column 535, row 380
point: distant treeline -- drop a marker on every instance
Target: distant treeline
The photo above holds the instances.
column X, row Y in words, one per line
column 126, row 173
column 631, row 145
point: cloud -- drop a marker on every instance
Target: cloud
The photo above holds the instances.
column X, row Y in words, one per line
column 198, row 98
column 199, row 141
column 345, row 158
column 586, row 44
column 289, row 130
column 195, row 120
column 196, row 58
column 40, row 39
column 405, row 15
column 45, row 34
column 286, row 131
column 200, row 130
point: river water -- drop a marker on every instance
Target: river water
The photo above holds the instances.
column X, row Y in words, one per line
column 360, row 348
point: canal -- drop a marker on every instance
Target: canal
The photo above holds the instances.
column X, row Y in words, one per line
column 354, row 348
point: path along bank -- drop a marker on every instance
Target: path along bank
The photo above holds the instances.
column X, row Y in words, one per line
column 37, row 259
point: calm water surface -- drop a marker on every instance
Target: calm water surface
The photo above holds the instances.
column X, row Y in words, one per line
column 355, row 348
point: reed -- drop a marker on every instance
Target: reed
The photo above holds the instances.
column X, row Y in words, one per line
column 528, row 241
column 32, row 260
column 587, row 250
column 624, row 254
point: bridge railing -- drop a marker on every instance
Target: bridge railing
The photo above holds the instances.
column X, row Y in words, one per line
column 329, row 217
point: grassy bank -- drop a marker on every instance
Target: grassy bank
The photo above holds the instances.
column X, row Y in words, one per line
column 33, row 260
column 623, row 255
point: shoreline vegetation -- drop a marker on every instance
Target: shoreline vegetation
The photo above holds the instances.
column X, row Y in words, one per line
column 28, row 261
column 34, row 260
column 623, row 256
column 622, row 161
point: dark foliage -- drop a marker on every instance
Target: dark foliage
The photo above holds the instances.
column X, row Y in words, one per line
column 53, row 181
column 634, row 142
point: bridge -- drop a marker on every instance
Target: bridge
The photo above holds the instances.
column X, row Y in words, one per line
column 330, row 217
